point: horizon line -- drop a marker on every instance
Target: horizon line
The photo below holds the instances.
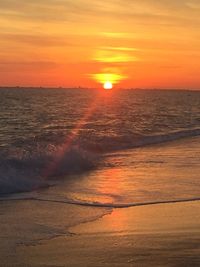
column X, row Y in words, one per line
column 96, row 88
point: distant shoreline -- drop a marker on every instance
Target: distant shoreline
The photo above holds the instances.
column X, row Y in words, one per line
column 89, row 88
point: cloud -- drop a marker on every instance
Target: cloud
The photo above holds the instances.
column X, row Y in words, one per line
column 193, row 5
column 108, row 55
column 13, row 66
column 36, row 40
column 45, row 10
column 84, row 10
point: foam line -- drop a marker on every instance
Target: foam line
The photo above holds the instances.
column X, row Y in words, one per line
column 102, row 205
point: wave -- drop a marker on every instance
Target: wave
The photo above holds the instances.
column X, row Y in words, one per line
column 100, row 204
column 172, row 136
column 135, row 141
column 32, row 168
column 23, row 171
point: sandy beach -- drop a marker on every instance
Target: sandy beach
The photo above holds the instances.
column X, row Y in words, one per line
column 154, row 235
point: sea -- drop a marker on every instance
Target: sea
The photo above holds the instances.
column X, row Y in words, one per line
column 68, row 156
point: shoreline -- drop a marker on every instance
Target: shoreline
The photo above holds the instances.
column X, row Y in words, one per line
column 162, row 235
column 179, row 216
column 112, row 207
column 41, row 231
column 102, row 205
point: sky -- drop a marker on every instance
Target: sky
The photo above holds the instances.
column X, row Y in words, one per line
column 71, row 43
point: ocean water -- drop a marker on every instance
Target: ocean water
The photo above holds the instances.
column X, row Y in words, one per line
column 97, row 150
column 49, row 135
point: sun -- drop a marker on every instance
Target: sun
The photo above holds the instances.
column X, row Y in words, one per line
column 107, row 85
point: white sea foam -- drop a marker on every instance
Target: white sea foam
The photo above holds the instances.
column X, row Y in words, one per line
column 29, row 171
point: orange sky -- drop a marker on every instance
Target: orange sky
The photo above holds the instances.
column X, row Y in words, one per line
column 142, row 43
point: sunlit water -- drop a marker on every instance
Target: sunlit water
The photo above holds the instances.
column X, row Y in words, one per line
column 99, row 149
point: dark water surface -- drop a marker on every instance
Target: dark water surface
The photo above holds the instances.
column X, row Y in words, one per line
column 86, row 140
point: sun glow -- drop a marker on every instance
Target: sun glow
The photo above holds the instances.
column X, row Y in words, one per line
column 107, row 85
column 108, row 80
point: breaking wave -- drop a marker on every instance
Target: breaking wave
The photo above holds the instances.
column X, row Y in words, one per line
column 129, row 142
column 27, row 170
column 22, row 171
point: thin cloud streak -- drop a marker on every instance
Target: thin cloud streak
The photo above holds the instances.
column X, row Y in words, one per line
column 71, row 10
column 37, row 40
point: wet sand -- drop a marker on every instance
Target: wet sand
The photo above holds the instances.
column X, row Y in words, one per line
column 154, row 235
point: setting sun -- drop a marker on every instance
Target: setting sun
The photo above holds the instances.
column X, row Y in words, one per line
column 107, row 85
